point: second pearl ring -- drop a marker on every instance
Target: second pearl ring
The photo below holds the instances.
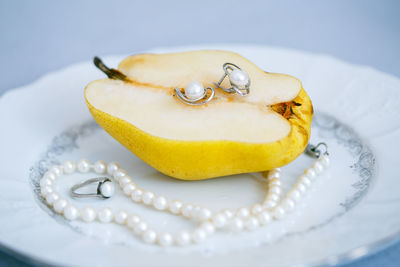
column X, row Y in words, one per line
column 196, row 94
column 105, row 188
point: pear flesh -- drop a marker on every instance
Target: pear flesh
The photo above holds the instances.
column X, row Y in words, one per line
column 160, row 114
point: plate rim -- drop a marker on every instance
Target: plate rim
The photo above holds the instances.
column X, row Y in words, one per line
column 338, row 259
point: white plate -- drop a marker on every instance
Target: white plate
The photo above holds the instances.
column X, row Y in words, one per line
column 352, row 210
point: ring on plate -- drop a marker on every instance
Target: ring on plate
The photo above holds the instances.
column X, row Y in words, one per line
column 105, row 188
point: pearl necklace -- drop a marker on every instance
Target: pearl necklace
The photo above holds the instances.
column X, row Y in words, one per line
column 245, row 218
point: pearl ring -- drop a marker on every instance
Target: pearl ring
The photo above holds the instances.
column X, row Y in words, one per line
column 105, row 188
column 238, row 79
column 196, row 94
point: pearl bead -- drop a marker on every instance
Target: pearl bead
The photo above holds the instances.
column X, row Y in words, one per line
column 295, row 195
column 120, row 217
column 288, row 205
column 88, row 214
column 165, row 239
column 100, row 167
column 137, row 195
column 112, row 167
column 228, row 213
column 310, row 173
column 149, row 236
column 128, row 189
column 83, row 165
column 105, row 215
column 183, row 238
column 160, row 203
column 239, row 78
column 243, row 213
column 279, row 212
column 194, row 90
column 69, row 166
column 274, row 182
column 133, row 221
column 236, row 225
column 275, row 190
column 50, row 175
column 46, row 190
column 269, row 204
column 45, row 182
column 125, row 180
column 318, row 167
column 187, row 210
column 107, row 189
column 264, row 218
column 305, row 180
column 195, row 212
column 219, row 220
column 60, row 204
column 148, row 197
column 199, row 235
column 118, row 174
column 70, row 212
column 175, row 206
column 57, row 170
column 301, row 188
column 324, row 160
column 51, row 198
column 273, row 197
column 208, row 227
column 140, row 227
column 274, row 174
column 252, row 223
column 204, row 214
column 256, row 209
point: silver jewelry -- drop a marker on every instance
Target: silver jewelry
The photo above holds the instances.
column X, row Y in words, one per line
column 274, row 207
column 238, row 78
column 105, row 188
column 196, row 94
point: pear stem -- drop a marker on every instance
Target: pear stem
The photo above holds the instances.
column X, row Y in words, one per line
column 111, row 73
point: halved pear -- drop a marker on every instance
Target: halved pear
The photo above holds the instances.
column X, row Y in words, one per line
column 231, row 134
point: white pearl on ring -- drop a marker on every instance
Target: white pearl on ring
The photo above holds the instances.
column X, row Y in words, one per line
column 107, row 189
column 239, row 78
column 194, row 90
